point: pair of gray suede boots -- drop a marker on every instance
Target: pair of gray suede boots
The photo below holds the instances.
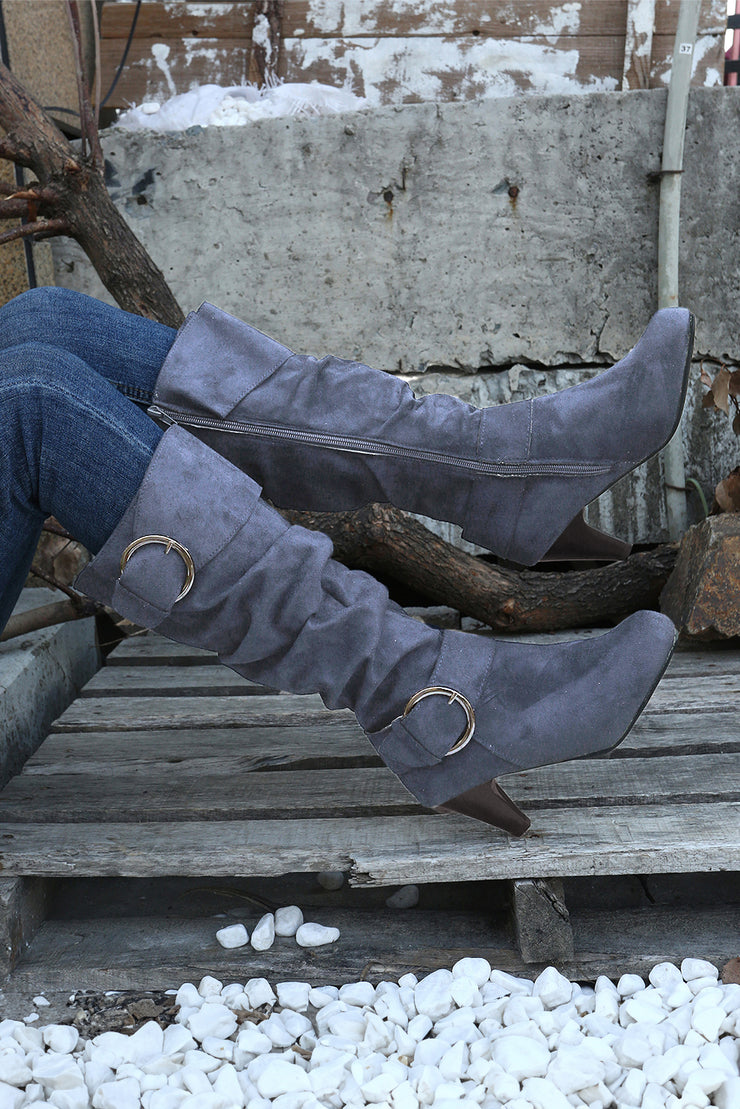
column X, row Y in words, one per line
column 201, row 557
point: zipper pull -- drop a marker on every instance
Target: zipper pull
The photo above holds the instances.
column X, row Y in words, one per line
column 164, row 417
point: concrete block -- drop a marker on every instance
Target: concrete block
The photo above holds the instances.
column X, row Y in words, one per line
column 40, row 675
column 702, row 595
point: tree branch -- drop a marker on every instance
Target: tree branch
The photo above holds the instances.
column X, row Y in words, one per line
column 46, row 616
column 42, row 230
column 386, row 541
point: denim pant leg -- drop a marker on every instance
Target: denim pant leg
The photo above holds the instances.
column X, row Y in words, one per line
column 71, row 446
column 127, row 350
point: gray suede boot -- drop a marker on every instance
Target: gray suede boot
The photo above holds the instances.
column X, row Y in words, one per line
column 199, row 556
column 333, row 435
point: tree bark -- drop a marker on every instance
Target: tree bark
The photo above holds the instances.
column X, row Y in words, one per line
column 387, row 542
column 72, row 190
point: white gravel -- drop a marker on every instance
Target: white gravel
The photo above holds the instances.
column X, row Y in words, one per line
column 460, row 1038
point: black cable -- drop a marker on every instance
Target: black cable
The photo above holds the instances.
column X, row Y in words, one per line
column 122, row 62
column 27, row 247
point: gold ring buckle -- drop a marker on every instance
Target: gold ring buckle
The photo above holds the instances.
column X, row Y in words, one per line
column 171, row 545
column 452, row 696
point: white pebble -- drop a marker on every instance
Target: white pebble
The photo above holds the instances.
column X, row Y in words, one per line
column 259, row 992
column 234, row 935
column 698, row 968
column 263, row 935
column 629, row 984
column 288, row 920
column 520, row 1056
column 209, row 986
column 41, row 1001
column 293, row 995
column 315, row 935
column 404, row 898
column 330, row 879
column 477, row 969
column 433, row 994
column 212, row 1019
column 60, row 1037
column 280, row 1077
column 552, row 987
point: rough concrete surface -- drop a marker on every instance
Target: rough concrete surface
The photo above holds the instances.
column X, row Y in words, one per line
column 470, row 238
column 40, row 674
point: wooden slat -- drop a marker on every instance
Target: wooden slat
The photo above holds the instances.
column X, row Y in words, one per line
column 155, row 650
column 157, row 952
column 222, row 790
column 304, row 747
column 395, row 18
column 172, row 681
column 191, row 61
column 142, row 713
column 382, row 851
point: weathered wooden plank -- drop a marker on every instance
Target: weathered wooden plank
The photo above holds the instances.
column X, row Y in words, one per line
column 222, row 19
column 221, row 790
column 23, row 906
column 299, row 748
column 387, row 850
column 638, row 45
column 541, row 921
column 190, row 61
column 160, row 952
column 359, row 18
column 155, row 650
column 342, row 745
column 136, row 713
column 171, row 681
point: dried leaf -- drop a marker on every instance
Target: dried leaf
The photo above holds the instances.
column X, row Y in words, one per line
column 705, row 378
column 731, row 972
column 727, row 493
column 734, row 384
column 720, row 389
column 707, row 401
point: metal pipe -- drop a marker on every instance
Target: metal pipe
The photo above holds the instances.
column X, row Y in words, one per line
column 669, row 231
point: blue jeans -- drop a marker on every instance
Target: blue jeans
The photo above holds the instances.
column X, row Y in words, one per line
column 72, row 443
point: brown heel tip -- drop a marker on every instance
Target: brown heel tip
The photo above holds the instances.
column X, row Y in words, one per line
column 489, row 804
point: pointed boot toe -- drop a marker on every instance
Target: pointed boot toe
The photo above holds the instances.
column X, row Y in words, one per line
column 529, row 706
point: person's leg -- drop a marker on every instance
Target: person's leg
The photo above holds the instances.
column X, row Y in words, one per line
column 71, row 446
column 126, row 349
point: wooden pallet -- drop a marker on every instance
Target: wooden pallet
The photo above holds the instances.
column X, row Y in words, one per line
column 171, row 765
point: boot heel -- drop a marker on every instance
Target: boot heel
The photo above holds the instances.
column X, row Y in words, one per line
column 581, row 542
column 489, row 803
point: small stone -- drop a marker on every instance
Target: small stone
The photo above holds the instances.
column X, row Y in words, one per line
column 544, row 1094
column 293, row 995
column 330, row 879
column 404, row 898
column 234, row 935
column 212, row 1019
column 263, row 935
column 123, row 1094
column 209, row 986
column 188, row 997
column 57, row 1072
column 288, row 920
column 260, row 992
column 707, row 1021
column 14, row 1071
column 477, row 969
column 280, row 1077
column 41, row 1001
column 31, row 1018
column 433, row 994
column 251, row 1040
column 315, row 935
column 698, row 968
column 629, row 984
column 552, row 987
column 61, row 1038
column 520, row 1056
column 322, row 995
column 357, row 993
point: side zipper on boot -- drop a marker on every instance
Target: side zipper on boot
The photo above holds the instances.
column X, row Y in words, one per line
column 370, row 447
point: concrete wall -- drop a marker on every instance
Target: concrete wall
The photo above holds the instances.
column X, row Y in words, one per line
column 490, row 249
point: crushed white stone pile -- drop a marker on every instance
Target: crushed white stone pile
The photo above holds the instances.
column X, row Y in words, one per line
column 458, row 1039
